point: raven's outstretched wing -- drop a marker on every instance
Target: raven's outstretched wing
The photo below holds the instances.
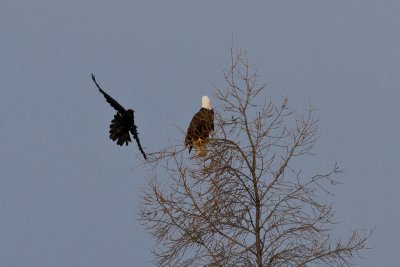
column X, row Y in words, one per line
column 136, row 136
column 109, row 99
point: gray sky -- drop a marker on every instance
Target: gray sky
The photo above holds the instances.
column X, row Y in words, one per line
column 69, row 196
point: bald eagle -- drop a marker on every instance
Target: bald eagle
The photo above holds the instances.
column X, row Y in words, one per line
column 201, row 125
column 123, row 122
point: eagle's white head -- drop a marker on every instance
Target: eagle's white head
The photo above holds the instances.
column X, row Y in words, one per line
column 206, row 102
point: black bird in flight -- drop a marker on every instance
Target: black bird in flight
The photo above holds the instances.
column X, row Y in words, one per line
column 123, row 122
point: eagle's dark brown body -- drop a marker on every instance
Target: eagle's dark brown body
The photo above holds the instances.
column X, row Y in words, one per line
column 200, row 127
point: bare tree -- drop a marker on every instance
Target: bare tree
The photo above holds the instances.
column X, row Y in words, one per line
column 247, row 202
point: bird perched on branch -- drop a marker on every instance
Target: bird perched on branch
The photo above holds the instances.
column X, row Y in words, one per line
column 123, row 122
column 200, row 127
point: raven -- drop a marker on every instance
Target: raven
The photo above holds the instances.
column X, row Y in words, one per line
column 123, row 122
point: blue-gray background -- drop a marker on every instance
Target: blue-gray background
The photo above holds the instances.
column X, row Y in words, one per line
column 69, row 196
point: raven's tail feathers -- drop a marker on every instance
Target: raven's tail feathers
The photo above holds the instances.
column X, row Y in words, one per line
column 118, row 131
